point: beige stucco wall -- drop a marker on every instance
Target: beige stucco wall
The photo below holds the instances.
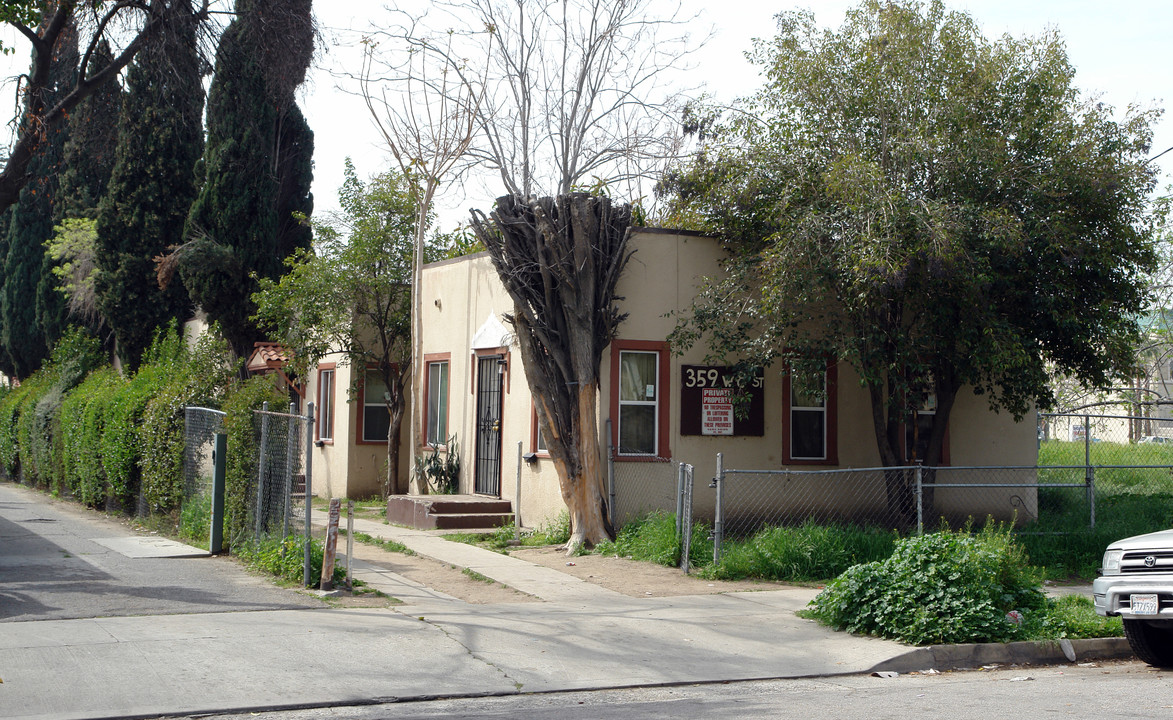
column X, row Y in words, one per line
column 348, row 468
column 463, row 296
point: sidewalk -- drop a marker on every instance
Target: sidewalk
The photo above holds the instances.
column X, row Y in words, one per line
column 580, row 636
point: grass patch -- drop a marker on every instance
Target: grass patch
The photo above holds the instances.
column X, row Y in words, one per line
column 1129, row 501
column 803, row 553
column 553, row 532
column 476, row 575
column 1073, row 617
column 195, row 519
column 285, row 557
column 652, row 538
column 389, row 545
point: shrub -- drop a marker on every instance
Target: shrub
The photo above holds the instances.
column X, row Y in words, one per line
column 196, row 376
column 121, row 447
column 946, row 587
column 9, row 442
column 241, row 461
column 82, row 419
column 29, row 427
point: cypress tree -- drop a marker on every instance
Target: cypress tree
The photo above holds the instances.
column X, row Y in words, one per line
column 151, row 186
column 30, row 224
column 92, row 136
column 257, row 165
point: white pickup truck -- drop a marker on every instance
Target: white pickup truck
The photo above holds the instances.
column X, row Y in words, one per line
column 1136, row 583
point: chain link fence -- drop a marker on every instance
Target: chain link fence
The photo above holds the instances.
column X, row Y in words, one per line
column 279, row 489
column 200, row 426
column 1092, row 470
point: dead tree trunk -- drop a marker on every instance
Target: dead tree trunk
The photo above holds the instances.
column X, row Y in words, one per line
column 560, row 259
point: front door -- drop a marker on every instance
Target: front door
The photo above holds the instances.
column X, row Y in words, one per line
column 488, row 459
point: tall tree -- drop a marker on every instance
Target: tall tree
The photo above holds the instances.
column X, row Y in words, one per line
column 152, row 185
column 574, row 91
column 572, row 96
column 428, row 132
column 31, row 224
column 91, row 136
column 127, row 26
column 354, row 295
column 560, row 260
column 257, row 166
column 934, row 208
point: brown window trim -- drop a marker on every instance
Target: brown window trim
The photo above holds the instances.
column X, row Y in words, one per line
column 332, row 368
column 832, row 418
column 533, row 432
column 360, row 390
column 429, row 359
column 663, row 409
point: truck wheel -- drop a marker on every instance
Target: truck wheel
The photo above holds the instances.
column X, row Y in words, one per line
column 1152, row 642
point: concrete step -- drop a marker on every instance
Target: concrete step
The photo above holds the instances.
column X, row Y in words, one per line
column 428, row 512
column 468, row 521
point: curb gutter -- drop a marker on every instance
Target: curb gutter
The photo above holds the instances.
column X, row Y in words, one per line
column 975, row 655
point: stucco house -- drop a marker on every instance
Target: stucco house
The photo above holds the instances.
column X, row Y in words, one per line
column 663, row 408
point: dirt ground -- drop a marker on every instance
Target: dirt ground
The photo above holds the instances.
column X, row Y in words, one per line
column 636, row 579
column 439, row 576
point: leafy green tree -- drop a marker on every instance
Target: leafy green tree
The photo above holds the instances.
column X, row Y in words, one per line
column 936, row 209
column 151, row 187
column 354, row 295
column 257, row 166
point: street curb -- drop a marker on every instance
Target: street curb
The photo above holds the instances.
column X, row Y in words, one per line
column 975, row 655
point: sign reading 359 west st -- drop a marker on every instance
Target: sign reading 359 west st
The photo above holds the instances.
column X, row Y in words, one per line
column 715, row 401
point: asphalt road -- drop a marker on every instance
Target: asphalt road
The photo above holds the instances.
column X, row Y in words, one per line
column 1098, row 690
column 58, row 562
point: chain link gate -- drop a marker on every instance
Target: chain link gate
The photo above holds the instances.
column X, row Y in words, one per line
column 200, row 426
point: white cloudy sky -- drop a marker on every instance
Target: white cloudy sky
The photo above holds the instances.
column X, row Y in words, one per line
column 1119, row 49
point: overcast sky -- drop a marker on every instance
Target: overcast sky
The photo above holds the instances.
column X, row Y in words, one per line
column 1119, row 49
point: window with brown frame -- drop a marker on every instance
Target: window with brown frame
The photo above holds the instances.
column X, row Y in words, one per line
column 325, row 424
column 810, row 420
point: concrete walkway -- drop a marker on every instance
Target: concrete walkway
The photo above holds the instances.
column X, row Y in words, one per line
column 580, row 636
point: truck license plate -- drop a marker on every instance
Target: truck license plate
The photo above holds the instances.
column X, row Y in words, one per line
column 1143, row 604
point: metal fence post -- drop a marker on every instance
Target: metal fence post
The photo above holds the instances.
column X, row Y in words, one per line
column 686, row 476
column 920, row 501
column 260, row 511
column 219, row 465
column 1091, row 494
column 679, row 497
column 610, row 477
column 309, row 466
column 517, row 500
column 718, row 520
column 290, row 454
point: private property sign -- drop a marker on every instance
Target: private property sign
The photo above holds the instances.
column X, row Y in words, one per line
column 713, row 402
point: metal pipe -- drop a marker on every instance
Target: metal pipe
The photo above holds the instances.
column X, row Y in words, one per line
column 349, row 543
column 610, row 477
column 718, row 519
column 290, row 454
column 517, row 500
column 309, row 472
column 679, row 497
column 260, row 512
column 920, row 505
